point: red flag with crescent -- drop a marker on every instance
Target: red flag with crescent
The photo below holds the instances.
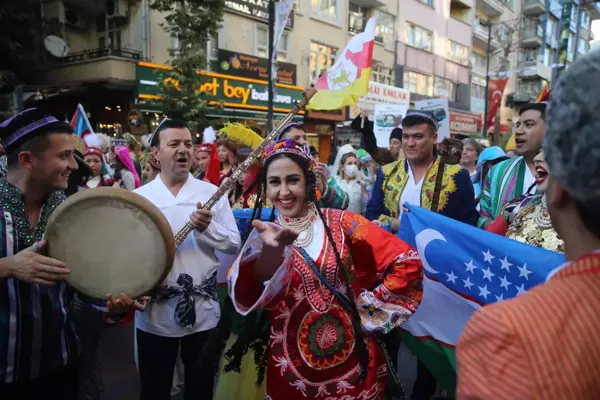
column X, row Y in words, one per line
column 496, row 90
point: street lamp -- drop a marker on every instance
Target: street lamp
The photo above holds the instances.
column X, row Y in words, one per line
column 487, row 24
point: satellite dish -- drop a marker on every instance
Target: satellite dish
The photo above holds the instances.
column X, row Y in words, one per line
column 56, row 46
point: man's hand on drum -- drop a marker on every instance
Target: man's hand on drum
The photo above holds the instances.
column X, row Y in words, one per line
column 32, row 267
column 200, row 219
column 124, row 304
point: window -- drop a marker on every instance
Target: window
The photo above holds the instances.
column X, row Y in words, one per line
column 585, row 20
column 548, row 56
column 477, row 91
column 262, row 44
column 550, row 30
column 478, row 61
column 503, row 32
column 570, row 47
column 457, row 53
column 427, row 2
column 384, row 28
column 109, row 33
column 418, row 83
column 321, row 59
column 582, row 49
column 419, row 38
column 531, row 54
column 326, row 10
column 445, row 89
column 357, row 17
column 382, row 74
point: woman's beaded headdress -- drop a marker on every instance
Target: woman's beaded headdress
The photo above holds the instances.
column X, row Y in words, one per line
column 287, row 146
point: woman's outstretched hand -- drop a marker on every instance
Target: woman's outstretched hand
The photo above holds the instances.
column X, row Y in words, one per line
column 275, row 239
column 274, row 236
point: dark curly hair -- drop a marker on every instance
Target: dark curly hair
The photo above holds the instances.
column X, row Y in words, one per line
column 256, row 325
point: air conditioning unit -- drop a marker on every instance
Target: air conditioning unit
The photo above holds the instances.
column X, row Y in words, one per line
column 117, row 9
column 73, row 19
column 54, row 11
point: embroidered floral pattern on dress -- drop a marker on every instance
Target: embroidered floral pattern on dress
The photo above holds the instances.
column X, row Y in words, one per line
column 326, row 340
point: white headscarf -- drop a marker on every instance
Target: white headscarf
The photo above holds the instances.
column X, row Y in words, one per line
column 345, row 149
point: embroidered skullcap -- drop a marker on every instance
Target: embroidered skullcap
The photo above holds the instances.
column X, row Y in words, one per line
column 415, row 117
column 28, row 124
column 396, row 133
column 572, row 140
column 287, row 128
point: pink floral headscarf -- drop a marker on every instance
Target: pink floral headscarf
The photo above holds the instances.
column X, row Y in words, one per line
column 123, row 155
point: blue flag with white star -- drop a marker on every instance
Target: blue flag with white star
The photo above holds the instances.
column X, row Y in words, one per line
column 465, row 269
column 482, row 265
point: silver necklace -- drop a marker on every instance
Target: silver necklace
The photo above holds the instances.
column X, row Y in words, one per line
column 541, row 216
column 302, row 224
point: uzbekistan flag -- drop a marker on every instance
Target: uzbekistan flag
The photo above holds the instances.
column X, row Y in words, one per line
column 465, row 268
column 348, row 79
column 80, row 123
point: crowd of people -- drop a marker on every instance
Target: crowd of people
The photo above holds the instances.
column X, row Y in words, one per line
column 320, row 282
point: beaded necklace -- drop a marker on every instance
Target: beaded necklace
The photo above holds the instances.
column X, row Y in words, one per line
column 12, row 200
column 300, row 225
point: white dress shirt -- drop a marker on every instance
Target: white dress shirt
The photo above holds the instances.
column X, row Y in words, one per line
column 195, row 257
column 412, row 191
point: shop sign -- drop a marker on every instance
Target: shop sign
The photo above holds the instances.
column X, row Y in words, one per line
column 256, row 9
column 327, row 115
column 248, row 66
column 379, row 94
column 465, row 124
column 226, row 90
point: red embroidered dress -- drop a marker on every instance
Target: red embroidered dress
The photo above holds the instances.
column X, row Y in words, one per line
column 312, row 344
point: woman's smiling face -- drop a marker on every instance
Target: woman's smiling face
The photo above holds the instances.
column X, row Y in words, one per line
column 286, row 187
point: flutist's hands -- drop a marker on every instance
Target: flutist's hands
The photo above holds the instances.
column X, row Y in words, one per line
column 123, row 304
column 200, row 219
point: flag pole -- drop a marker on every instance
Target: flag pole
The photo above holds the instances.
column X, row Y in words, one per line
column 271, row 78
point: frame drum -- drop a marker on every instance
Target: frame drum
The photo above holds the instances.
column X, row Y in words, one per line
column 113, row 241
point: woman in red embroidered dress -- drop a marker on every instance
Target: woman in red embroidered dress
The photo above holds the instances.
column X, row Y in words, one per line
column 322, row 338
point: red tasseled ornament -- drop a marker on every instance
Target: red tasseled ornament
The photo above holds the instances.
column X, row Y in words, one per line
column 213, row 173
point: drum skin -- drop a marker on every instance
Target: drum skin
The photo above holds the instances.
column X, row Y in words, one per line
column 113, row 241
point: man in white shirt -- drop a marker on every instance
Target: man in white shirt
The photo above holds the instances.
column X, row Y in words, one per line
column 185, row 308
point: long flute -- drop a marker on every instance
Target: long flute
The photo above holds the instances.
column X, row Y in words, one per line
column 237, row 173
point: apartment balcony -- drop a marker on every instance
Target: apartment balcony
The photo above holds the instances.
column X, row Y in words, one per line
column 368, row 3
column 533, row 7
column 593, row 8
column 534, row 70
column 117, row 66
column 525, row 95
column 532, row 37
column 480, row 37
column 490, row 8
column 478, row 70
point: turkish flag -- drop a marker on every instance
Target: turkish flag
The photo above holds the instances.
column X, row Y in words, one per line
column 496, row 89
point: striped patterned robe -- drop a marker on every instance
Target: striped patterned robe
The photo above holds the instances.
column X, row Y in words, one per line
column 37, row 336
column 502, row 184
column 541, row 345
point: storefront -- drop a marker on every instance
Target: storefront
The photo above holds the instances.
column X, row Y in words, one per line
column 320, row 130
column 233, row 98
column 462, row 123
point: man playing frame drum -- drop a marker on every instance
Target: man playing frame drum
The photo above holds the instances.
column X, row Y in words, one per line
column 185, row 309
column 38, row 342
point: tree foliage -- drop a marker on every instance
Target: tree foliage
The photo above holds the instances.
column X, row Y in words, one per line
column 191, row 23
column 20, row 43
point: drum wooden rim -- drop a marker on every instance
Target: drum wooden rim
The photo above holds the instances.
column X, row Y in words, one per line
column 125, row 196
